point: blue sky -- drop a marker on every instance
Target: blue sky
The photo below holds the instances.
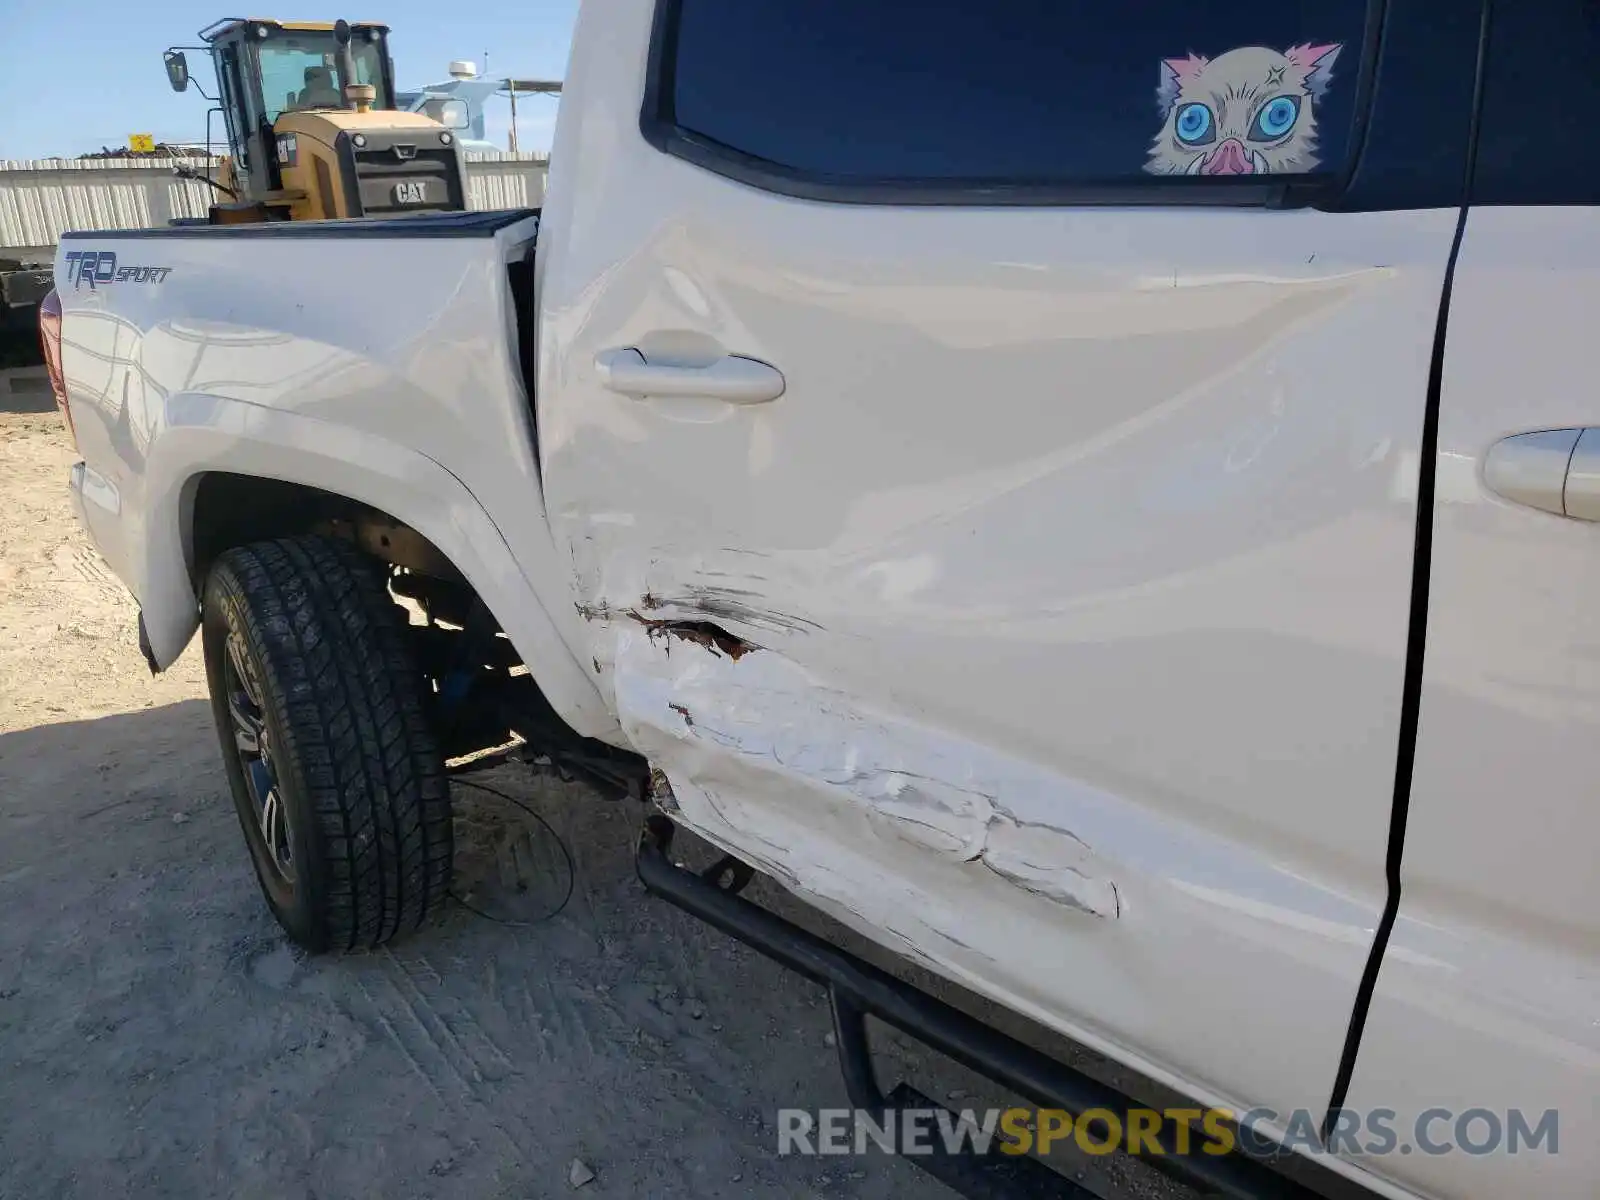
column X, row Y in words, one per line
column 77, row 75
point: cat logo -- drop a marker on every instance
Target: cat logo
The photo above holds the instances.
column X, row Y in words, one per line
column 411, row 191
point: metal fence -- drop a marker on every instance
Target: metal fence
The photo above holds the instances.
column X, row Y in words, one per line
column 41, row 199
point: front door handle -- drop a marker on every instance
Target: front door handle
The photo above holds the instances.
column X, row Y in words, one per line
column 1557, row 470
column 731, row 378
column 1531, row 468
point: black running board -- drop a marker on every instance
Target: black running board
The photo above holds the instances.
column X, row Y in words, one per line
column 858, row 989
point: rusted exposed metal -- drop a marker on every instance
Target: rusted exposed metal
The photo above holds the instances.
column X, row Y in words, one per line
column 702, row 633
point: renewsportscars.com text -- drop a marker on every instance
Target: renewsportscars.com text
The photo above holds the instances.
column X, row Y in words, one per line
column 1378, row 1131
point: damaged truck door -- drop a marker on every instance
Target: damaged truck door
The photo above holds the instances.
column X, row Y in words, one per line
column 1019, row 570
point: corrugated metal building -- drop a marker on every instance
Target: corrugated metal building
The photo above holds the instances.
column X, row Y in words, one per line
column 506, row 180
column 41, row 199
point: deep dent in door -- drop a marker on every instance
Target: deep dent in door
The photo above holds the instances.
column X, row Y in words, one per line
column 689, row 692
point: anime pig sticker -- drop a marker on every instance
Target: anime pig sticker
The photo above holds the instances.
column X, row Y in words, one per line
column 1251, row 111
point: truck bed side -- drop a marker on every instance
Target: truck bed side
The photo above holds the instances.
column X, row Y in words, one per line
column 375, row 360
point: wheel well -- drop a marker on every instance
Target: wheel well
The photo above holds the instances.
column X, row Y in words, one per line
column 230, row 510
column 480, row 694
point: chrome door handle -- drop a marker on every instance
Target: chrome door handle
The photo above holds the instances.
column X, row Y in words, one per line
column 1581, row 495
column 732, row 378
column 1556, row 470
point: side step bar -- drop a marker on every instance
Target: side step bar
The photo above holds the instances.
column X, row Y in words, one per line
column 858, row 989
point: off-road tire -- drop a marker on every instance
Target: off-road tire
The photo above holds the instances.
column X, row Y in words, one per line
column 360, row 773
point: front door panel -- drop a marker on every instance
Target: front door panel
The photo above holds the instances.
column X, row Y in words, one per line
column 1490, row 987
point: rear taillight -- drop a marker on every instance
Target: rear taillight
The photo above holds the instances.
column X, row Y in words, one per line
column 50, row 341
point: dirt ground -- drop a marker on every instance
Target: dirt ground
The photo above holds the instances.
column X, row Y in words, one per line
column 160, row 1037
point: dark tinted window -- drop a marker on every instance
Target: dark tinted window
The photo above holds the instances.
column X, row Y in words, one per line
column 1016, row 91
column 1541, row 94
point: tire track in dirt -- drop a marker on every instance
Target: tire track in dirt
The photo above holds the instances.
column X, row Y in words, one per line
column 433, row 1024
column 414, row 1028
column 375, row 1015
column 482, row 1055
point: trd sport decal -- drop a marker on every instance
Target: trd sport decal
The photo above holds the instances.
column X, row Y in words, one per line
column 95, row 267
column 1251, row 111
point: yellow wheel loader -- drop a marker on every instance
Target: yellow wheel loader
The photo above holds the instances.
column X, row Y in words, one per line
column 312, row 128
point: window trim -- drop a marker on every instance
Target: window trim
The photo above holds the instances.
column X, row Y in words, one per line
column 658, row 125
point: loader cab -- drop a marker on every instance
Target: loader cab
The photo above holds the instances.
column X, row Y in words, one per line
column 267, row 68
column 312, row 127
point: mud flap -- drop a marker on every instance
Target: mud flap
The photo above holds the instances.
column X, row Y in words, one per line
column 146, row 649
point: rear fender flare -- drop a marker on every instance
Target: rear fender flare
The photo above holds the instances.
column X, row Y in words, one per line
column 204, row 433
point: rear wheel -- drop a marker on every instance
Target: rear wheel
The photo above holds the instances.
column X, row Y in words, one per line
column 337, row 777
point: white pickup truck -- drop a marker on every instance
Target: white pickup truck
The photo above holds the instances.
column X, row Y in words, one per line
column 1098, row 499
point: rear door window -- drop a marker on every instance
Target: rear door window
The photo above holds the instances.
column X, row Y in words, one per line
column 1014, row 91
